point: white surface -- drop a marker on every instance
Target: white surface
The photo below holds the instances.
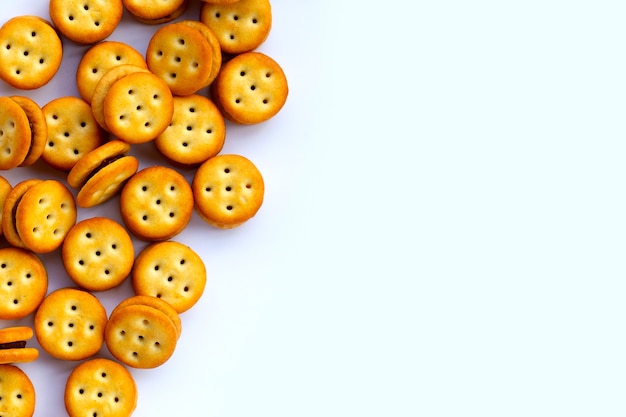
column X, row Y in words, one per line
column 443, row 233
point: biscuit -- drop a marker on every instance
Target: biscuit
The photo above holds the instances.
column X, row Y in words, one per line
column 228, row 190
column 138, row 107
column 250, row 88
column 157, row 303
column 101, row 173
column 9, row 209
column 5, row 188
column 240, row 26
column 100, row 387
column 156, row 203
column 172, row 272
column 99, row 59
column 216, row 50
column 140, row 336
column 44, row 216
column 103, row 86
column 97, row 253
column 38, row 128
column 196, row 133
column 17, row 392
column 152, row 12
column 181, row 56
column 86, row 21
column 72, row 132
column 30, row 51
column 13, row 345
column 220, row 1
column 23, row 283
column 15, row 134
column 69, row 324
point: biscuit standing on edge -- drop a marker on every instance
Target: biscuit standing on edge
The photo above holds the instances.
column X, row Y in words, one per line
column 15, row 133
column 9, row 209
column 17, row 392
column 100, row 388
column 13, row 345
column 228, row 190
column 38, row 127
column 23, row 283
column 5, row 189
column 30, row 51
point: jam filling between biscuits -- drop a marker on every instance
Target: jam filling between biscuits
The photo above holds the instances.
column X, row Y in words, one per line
column 103, row 164
column 13, row 345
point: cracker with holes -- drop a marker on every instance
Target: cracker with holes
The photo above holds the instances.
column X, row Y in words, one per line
column 216, row 50
column 44, row 215
column 5, row 189
column 140, row 335
column 196, row 133
column 23, row 283
column 14, row 196
column 69, row 324
column 228, row 190
column 156, row 303
column 155, row 13
column 100, row 387
column 172, row 272
column 13, row 342
column 251, row 88
column 240, row 26
column 38, row 128
column 30, row 51
column 138, row 107
column 86, row 21
column 15, row 134
column 98, row 253
column 101, row 173
column 17, row 392
column 72, row 132
column 181, row 56
column 156, row 203
column 100, row 58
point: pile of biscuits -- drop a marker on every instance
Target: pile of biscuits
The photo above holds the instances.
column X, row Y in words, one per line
column 126, row 98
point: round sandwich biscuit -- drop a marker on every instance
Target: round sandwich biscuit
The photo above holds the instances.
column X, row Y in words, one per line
column 23, row 283
column 172, row 272
column 140, row 336
column 156, row 303
column 13, row 345
column 69, row 324
column 220, row 1
column 30, row 51
column 15, row 134
column 13, row 198
column 100, row 58
column 101, row 173
column 228, row 190
column 38, row 128
column 5, row 189
column 72, row 132
column 17, row 392
column 138, row 107
column 98, row 253
column 45, row 214
column 240, row 26
column 216, row 50
column 196, row 133
column 100, row 387
column 250, row 88
column 86, row 21
column 156, row 203
column 151, row 12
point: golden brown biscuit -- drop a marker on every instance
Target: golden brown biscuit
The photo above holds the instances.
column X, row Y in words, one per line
column 5, row 189
column 154, row 302
column 138, row 107
column 101, row 173
column 72, row 132
column 45, row 214
column 181, row 56
column 9, row 209
column 69, row 324
column 23, row 283
column 99, row 59
column 228, row 190
column 30, row 51
column 13, row 345
column 251, row 88
column 100, row 388
column 17, row 392
column 98, row 253
column 15, row 134
column 216, row 62
column 196, row 133
column 86, row 21
column 156, row 203
column 38, row 128
column 172, row 272
column 151, row 11
column 240, row 26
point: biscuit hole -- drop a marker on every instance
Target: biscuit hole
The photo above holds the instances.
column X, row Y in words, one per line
column 158, row 202
column 19, row 396
column 146, row 124
column 114, row 246
column 8, row 46
column 10, row 283
column 91, row 327
column 170, row 279
column 267, row 75
column 100, row 395
column 242, row 73
column 232, row 37
column 265, row 101
column 71, row 17
column 15, row 301
column 155, row 97
column 50, row 324
column 182, row 262
column 81, row 262
column 158, row 296
column 185, row 144
column 172, row 188
column 95, row 70
column 160, row 53
column 25, row 53
column 33, row 34
column 135, row 354
column 157, row 344
column 192, row 109
column 41, row 60
column 74, row 308
column 86, row 7
column 235, row 17
column 156, row 267
column 3, row 265
column 88, row 235
column 229, row 208
column 189, row 128
column 228, row 188
column 103, row 375
column 55, row 232
column 238, row 101
column 116, row 399
column 140, row 337
column 218, row 15
column 254, row 20
column 70, row 343
column 76, row 152
column 172, row 214
column 145, row 217
column 18, row 72
column 83, row 124
column 81, row 391
column 106, row 272
column 95, row 414
column 227, row 170
column 146, row 322
column 173, row 75
column 28, row 275
column 118, row 58
column 70, row 325
column 178, row 59
column 66, row 134
column 252, row 87
column 186, row 289
column 144, row 188
column 209, row 131
column 130, row 92
column 207, row 189
column 122, row 333
column 138, row 107
column 181, row 41
column 98, row 253
column 248, row 186
column 97, row 23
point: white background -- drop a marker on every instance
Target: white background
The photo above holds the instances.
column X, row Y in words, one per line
column 444, row 226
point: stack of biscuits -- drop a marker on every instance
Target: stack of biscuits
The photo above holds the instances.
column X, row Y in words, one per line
column 194, row 78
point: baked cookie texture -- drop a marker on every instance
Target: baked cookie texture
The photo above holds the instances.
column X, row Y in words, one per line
column 86, row 21
column 17, row 392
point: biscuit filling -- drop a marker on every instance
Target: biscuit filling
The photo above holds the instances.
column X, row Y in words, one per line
column 13, row 345
column 103, row 164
